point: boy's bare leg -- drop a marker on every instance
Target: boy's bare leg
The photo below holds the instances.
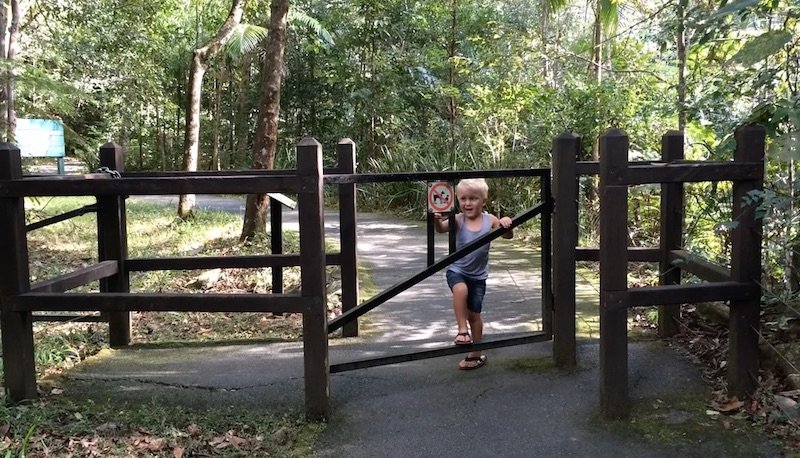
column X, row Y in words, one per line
column 476, row 325
column 460, row 307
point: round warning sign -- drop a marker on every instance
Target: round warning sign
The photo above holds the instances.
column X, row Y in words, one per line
column 440, row 196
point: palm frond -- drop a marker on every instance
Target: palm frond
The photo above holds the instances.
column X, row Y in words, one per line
column 245, row 39
column 551, row 6
column 609, row 14
column 300, row 17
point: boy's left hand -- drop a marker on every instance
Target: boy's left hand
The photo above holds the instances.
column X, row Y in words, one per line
column 505, row 222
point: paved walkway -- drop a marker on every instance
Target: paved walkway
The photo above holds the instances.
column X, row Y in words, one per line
column 517, row 405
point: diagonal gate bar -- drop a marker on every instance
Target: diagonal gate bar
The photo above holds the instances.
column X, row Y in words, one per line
column 385, row 295
column 437, row 352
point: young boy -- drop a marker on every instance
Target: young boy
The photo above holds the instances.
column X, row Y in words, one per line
column 467, row 276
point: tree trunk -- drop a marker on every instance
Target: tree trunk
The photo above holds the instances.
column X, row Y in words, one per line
column 255, row 216
column 596, row 69
column 140, row 136
column 451, row 80
column 242, row 114
column 200, row 61
column 13, row 39
column 215, row 162
column 681, row 48
column 5, row 15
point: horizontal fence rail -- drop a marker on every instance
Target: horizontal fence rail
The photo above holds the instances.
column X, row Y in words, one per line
column 432, row 176
column 221, row 262
column 160, row 302
column 105, row 185
column 686, row 173
column 690, row 294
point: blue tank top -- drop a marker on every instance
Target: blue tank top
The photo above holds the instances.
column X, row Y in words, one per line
column 476, row 264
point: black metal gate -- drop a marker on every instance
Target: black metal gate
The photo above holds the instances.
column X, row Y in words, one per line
column 542, row 209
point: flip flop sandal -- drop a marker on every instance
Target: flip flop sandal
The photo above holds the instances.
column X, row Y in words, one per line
column 468, row 340
column 479, row 361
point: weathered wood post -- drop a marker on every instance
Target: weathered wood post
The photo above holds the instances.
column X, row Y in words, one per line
column 276, row 241
column 312, row 279
column 17, row 327
column 745, row 267
column 671, row 232
column 112, row 244
column 613, row 274
column 565, row 238
column 346, row 156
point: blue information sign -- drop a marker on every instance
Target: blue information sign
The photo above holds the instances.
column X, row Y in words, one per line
column 40, row 138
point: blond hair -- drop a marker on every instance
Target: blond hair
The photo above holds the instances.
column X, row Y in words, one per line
column 478, row 185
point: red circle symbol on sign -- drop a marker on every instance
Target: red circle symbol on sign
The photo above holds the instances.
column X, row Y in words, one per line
column 440, row 196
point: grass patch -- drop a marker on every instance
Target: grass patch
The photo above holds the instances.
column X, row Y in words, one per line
column 155, row 231
column 536, row 365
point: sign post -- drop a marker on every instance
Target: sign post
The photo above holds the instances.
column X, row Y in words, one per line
column 441, row 197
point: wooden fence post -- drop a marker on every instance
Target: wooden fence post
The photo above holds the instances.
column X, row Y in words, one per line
column 613, row 275
column 17, row 327
column 312, row 278
column 346, row 156
column 565, row 239
column 112, row 244
column 671, row 232
column 276, row 241
column 745, row 267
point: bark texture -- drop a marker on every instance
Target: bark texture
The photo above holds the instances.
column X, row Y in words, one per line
column 255, row 216
column 201, row 58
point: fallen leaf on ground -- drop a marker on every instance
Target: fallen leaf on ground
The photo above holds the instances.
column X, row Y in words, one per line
column 236, row 440
column 730, row 406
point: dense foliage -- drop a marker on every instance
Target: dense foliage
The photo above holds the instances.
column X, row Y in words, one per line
column 423, row 85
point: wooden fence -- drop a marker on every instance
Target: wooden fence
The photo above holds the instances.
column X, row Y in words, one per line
column 110, row 186
column 739, row 285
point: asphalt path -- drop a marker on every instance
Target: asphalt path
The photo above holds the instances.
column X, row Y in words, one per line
column 517, row 405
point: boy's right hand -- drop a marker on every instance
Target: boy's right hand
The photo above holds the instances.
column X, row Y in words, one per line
column 441, row 222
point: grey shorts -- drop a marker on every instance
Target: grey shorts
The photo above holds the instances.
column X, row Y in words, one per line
column 476, row 289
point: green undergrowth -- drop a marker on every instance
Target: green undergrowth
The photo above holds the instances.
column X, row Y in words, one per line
column 60, row 425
